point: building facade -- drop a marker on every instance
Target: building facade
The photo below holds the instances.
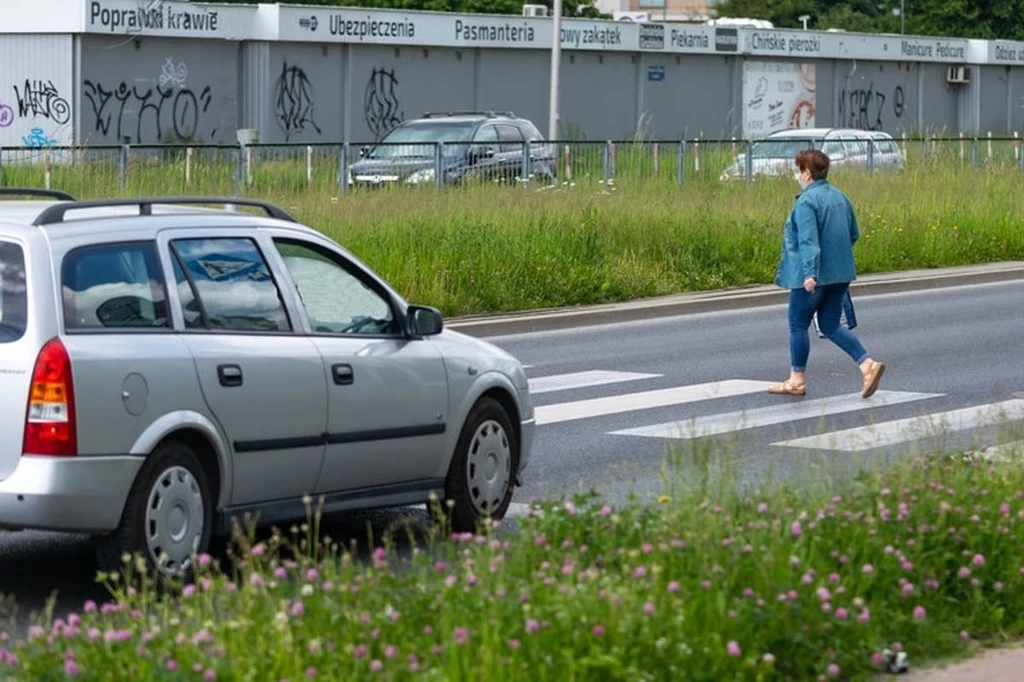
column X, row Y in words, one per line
column 102, row 72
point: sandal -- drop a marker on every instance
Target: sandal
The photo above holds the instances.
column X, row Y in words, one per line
column 788, row 387
column 871, row 379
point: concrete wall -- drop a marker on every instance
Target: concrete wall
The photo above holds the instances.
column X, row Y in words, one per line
column 147, row 90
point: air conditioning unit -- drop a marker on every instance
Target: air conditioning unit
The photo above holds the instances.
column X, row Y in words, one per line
column 621, row 15
column 535, row 10
column 958, row 74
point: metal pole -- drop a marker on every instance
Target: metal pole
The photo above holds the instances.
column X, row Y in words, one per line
column 556, row 64
column 903, row 15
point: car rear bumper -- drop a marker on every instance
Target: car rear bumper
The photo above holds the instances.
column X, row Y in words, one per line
column 74, row 494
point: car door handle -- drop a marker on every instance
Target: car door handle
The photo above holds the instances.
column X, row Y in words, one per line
column 342, row 374
column 229, row 375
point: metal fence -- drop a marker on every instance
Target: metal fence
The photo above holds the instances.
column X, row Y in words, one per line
column 345, row 167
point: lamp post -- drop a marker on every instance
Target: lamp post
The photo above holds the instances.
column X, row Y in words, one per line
column 556, row 58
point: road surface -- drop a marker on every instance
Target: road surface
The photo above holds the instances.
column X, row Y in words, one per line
column 612, row 398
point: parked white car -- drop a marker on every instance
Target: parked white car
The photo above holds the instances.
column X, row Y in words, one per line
column 775, row 154
column 167, row 369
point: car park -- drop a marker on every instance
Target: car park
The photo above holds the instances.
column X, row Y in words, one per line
column 167, row 368
column 466, row 146
column 775, row 154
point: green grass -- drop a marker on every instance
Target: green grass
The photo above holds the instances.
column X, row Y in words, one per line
column 708, row 582
column 501, row 249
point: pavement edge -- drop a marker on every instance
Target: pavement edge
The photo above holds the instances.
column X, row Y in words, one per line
column 725, row 299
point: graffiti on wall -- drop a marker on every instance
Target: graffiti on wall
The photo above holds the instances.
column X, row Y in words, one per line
column 40, row 99
column 865, row 108
column 39, row 105
column 293, row 101
column 171, row 110
column 381, row 106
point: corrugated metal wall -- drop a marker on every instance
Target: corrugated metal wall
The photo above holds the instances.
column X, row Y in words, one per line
column 36, row 90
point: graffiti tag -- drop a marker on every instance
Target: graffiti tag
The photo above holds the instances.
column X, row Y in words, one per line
column 40, row 98
column 293, row 101
column 380, row 104
column 37, row 138
column 6, row 116
column 178, row 111
column 865, row 108
column 173, row 74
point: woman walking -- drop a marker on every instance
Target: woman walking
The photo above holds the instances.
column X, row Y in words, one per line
column 817, row 267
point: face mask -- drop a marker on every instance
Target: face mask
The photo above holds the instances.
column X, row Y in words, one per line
column 799, row 180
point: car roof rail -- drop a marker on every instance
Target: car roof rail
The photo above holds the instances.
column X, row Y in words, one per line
column 36, row 192
column 55, row 213
column 489, row 113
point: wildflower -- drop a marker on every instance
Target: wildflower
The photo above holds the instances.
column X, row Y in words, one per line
column 606, row 510
column 833, row 670
column 598, row 631
column 919, row 613
column 188, row 590
column 795, row 529
column 461, row 635
column 733, row 649
column 868, row 569
column 532, row 625
column 864, row 617
column 648, row 608
column 257, row 549
column 762, row 508
column 841, row 613
column 673, row 587
column 311, row 671
column 209, row 675
column 71, row 667
column 391, row 651
column 978, row 560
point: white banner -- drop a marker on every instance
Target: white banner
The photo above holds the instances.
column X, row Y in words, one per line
column 777, row 96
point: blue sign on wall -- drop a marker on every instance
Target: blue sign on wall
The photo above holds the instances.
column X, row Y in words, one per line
column 655, row 73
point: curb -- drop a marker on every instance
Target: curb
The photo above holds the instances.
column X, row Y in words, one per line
column 551, row 319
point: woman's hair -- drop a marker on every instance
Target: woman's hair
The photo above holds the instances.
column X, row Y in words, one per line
column 815, row 161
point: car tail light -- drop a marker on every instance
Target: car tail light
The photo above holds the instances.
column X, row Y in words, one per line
column 50, row 420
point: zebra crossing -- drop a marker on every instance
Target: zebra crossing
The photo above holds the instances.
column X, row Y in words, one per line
column 803, row 413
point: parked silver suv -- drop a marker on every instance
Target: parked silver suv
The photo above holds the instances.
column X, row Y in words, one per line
column 165, row 368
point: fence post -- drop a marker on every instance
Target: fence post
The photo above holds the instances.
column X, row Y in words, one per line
column 681, row 163
column 871, row 157
column 122, row 167
column 990, row 145
column 961, row 147
column 974, row 151
column 657, row 160
column 527, row 148
column 343, row 167
column 1, row 166
column 309, row 164
column 1020, row 155
column 47, row 168
column 438, row 166
column 188, row 166
column 607, row 161
column 568, row 163
column 240, row 156
column 748, row 164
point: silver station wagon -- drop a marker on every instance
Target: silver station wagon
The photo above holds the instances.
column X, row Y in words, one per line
column 167, row 367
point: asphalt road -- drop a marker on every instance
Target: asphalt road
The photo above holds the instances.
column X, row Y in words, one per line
column 946, row 350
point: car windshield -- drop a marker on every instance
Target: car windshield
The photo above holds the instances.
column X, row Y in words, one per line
column 417, row 140
column 786, row 148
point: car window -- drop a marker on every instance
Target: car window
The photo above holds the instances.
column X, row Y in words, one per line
column 856, row 147
column 833, row 148
column 511, row 138
column 114, row 286
column 336, row 301
column 487, row 135
column 531, row 133
column 190, row 309
column 13, row 293
column 231, row 284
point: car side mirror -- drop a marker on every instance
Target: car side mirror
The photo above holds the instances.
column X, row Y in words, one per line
column 422, row 320
column 363, row 151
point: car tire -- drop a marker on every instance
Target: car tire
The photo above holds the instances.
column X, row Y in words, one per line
column 169, row 509
column 486, row 453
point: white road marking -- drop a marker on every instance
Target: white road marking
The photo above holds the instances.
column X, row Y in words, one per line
column 913, row 428
column 564, row 382
column 643, row 400
column 775, row 414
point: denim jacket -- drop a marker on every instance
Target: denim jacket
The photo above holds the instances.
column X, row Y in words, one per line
column 818, row 238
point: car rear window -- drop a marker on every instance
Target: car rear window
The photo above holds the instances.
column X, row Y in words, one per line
column 114, row 286
column 13, row 293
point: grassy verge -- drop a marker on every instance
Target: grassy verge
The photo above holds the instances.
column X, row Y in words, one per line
column 923, row 558
column 489, row 250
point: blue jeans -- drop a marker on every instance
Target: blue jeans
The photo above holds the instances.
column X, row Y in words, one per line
column 827, row 301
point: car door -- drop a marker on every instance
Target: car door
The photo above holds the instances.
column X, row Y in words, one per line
column 483, row 154
column 511, row 151
column 261, row 377
column 387, row 394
